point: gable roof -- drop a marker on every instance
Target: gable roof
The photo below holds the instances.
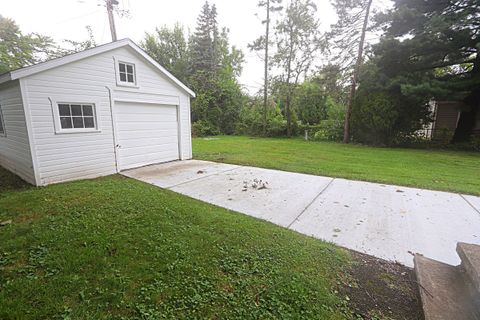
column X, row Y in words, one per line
column 27, row 71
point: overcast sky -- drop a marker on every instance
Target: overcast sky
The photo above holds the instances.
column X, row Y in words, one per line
column 66, row 19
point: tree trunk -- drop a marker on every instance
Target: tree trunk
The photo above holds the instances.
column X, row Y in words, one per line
column 348, row 112
column 467, row 120
column 289, row 115
column 356, row 70
column 289, row 91
column 265, row 86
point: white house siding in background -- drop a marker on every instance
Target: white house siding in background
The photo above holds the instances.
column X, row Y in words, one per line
column 91, row 79
column 14, row 145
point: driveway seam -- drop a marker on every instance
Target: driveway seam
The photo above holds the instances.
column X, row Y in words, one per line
column 202, row 177
column 311, row 202
column 471, row 205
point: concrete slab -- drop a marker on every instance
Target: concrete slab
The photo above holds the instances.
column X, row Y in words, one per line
column 470, row 256
column 167, row 175
column 391, row 222
column 386, row 221
column 473, row 201
column 445, row 291
column 286, row 196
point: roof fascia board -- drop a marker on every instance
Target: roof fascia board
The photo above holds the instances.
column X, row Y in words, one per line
column 24, row 72
column 5, row 77
column 162, row 69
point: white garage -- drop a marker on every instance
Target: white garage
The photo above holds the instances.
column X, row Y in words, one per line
column 92, row 113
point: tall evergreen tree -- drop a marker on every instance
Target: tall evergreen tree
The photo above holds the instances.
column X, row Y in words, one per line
column 204, row 42
column 437, row 41
column 214, row 68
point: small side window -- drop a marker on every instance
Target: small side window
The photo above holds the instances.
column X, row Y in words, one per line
column 2, row 124
column 126, row 72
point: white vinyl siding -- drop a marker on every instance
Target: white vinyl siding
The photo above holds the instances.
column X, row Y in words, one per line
column 79, row 155
column 14, row 144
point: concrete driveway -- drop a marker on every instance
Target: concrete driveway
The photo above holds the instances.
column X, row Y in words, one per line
column 389, row 222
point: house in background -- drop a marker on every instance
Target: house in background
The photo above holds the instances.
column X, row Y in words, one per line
column 92, row 113
column 445, row 119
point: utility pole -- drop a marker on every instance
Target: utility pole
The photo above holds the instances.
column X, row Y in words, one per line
column 109, row 5
column 265, row 86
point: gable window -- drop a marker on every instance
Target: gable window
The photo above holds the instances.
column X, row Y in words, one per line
column 2, row 123
column 76, row 116
column 126, row 72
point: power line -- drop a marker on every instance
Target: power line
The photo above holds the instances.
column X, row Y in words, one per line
column 77, row 17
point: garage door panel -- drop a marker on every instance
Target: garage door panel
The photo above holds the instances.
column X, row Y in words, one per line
column 132, row 161
column 154, row 144
column 164, row 111
column 147, row 117
column 146, row 134
column 147, row 125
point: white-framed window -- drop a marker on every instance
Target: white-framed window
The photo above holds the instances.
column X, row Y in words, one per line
column 76, row 116
column 2, row 124
column 126, row 73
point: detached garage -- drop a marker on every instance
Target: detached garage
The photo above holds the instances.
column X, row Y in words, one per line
column 92, row 113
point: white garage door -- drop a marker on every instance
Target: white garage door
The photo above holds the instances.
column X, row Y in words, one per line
column 146, row 134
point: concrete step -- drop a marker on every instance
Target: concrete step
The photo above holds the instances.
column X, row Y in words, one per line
column 445, row 291
column 470, row 256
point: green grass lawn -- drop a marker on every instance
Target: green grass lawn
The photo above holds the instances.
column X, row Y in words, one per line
column 432, row 169
column 120, row 249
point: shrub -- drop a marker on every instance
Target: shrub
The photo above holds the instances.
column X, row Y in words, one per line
column 384, row 118
column 276, row 124
column 251, row 121
column 202, row 128
column 472, row 145
column 309, row 102
column 330, row 130
column 373, row 118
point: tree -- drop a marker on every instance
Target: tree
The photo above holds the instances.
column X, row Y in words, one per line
column 310, row 102
column 298, row 41
column 330, row 78
column 263, row 43
column 203, row 66
column 75, row 46
column 350, row 32
column 203, row 43
column 214, row 67
column 437, row 42
column 169, row 48
column 18, row 50
column 384, row 114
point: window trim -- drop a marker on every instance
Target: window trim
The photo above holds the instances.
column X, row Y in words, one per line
column 56, row 116
column 2, row 120
column 117, row 73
